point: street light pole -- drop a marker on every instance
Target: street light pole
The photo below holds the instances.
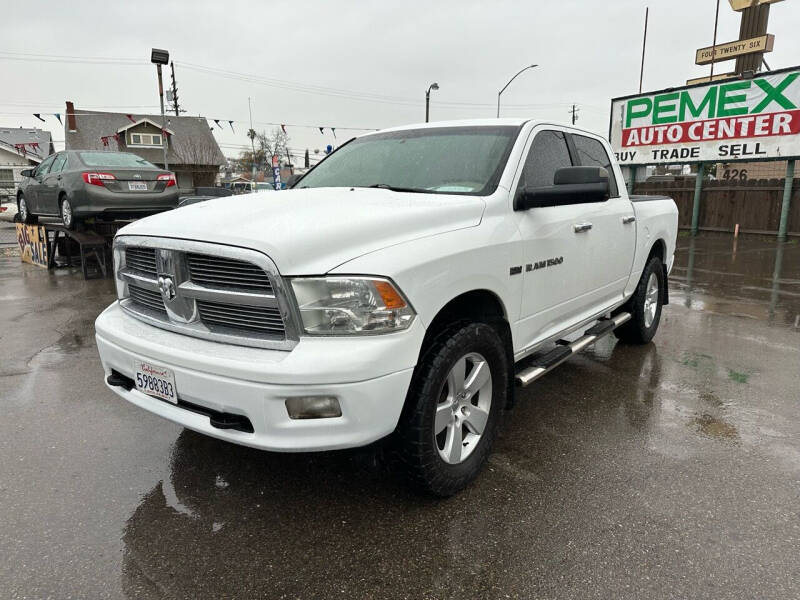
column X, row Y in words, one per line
column 163, row 116
column 433, row 86
column 509, row 83
column 161, row 57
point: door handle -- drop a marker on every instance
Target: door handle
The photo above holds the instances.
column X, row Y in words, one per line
column 581, row 227
column 627, row 220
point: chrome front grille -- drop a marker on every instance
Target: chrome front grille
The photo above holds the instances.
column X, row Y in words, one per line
column 240, row 316
column 210, row 291
column 215, row 271
column 147, row 298
column 141, row 259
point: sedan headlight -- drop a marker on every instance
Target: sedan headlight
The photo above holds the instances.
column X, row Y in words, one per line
column 351, row 305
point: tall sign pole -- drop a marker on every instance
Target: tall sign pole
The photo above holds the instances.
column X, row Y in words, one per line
column 714, row 43
column 644, row 47
column 754, row 24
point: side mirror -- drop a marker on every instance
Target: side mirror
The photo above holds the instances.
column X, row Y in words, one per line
column 571, row 185
column 293, row 178
column 27, row 172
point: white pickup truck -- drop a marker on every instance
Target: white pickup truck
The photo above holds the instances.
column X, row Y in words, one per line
column 397, row 291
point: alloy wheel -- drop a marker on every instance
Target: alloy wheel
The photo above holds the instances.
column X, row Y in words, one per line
column 462, row 412
column 66, row 213
column 651, row 300
column 23, row 209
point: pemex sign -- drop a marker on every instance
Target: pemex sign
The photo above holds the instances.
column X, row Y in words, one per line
column 742, row 119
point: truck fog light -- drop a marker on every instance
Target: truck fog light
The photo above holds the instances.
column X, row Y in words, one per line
column 313, row 407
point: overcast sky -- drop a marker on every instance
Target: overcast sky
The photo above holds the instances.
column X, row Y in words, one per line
column 374, row 59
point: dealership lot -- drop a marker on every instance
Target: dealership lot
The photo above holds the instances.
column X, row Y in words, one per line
column 668, row 470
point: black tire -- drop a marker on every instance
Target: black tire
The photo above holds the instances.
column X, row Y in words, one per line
column 29, row 219
column 415, row 443
column 70, row 222
column 642, row 327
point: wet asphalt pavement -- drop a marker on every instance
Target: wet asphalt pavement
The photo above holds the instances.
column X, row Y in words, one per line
column 665, row 471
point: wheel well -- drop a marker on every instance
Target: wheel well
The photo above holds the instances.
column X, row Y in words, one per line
column 476, row 305
column 470, row 307
column 659, row 249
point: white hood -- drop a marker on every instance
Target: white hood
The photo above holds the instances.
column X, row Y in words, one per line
column 311, row 231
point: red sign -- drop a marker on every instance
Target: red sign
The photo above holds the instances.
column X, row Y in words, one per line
column 751, row 126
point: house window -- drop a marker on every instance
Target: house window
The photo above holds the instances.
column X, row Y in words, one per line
column 145, row 139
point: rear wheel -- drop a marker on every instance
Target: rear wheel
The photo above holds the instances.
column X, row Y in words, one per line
column 25, row 215
column 645, row 305
column 453, row 409
column 67, row 216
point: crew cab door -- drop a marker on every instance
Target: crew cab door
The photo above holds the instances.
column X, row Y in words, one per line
column 612, row 237
column 554, row 266
column 577, row 257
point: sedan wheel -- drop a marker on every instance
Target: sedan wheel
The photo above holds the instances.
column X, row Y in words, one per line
column 23, row 212
column 66, row 214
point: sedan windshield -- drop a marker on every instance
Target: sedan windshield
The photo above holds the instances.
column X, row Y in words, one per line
column 445, row 160
column 114, row 159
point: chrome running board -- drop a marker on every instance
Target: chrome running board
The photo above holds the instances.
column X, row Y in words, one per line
column 548, row 362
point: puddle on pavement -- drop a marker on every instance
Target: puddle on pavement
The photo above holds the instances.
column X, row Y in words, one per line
column 715, row 427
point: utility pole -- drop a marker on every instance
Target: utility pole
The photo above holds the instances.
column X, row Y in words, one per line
column 252, row 134
column 174, row 89
column 575, row 110
column 644, row 47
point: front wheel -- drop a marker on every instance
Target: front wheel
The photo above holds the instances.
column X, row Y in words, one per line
column 24, row 212
column 453, row 409
column 645, row 305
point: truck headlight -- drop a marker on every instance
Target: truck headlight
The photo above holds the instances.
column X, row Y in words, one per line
column 351, row 305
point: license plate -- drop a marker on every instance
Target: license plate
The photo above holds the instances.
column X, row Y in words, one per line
column 155, row 381
column 137, row 186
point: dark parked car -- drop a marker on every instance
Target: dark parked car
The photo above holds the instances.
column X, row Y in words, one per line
column 76, row 184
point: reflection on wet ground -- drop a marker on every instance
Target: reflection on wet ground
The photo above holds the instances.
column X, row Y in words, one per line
column 754, row 277
column 669, row 470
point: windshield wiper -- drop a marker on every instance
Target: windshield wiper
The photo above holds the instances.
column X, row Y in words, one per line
column 394, row 188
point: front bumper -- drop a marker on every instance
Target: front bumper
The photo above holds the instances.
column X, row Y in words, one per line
column 369, row 376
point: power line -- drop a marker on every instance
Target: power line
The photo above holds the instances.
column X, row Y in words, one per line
column 272, row 82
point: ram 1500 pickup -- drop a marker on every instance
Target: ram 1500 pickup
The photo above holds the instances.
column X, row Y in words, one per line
column 399, row 291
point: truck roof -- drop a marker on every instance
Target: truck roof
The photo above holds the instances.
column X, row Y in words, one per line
column 514, row 122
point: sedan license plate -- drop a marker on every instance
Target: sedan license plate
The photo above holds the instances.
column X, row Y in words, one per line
column 137, row 186
column 155, row 381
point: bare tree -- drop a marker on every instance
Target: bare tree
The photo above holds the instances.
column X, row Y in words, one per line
column 267, row 145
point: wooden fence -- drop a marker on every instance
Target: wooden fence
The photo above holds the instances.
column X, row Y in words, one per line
column 754, row 205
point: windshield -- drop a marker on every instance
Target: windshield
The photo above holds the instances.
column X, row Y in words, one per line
column 114, row 159
column 449, row 160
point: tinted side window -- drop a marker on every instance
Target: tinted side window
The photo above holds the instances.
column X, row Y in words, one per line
column 44, row 168
column 548, row 153
column 58, row 163
column 591, row 153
